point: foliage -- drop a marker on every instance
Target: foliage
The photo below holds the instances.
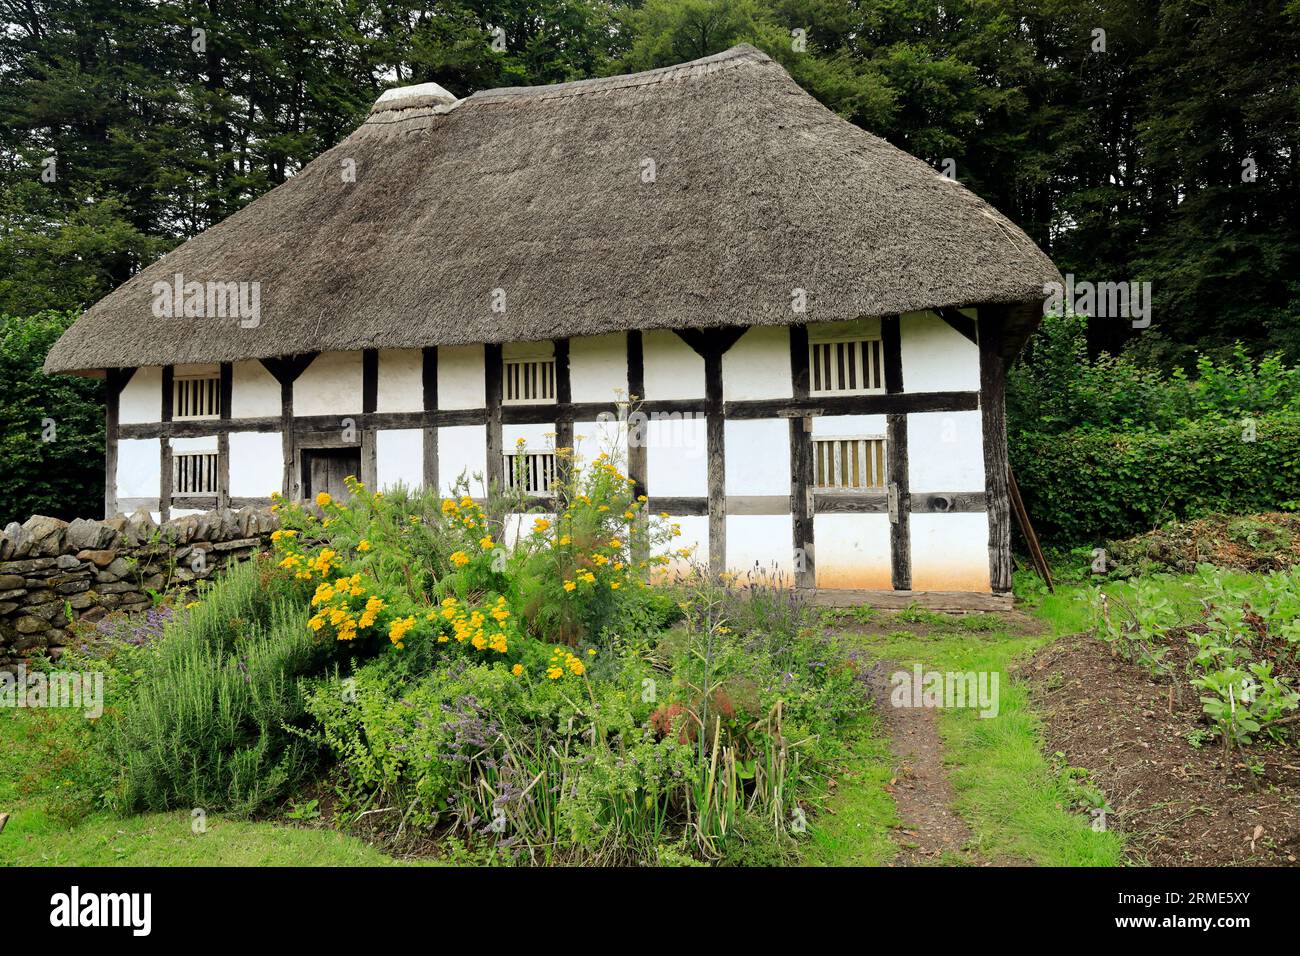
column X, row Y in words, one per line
column 1124, row 163
column 1239, row 646
column 205, row 724
column 51, row 427
column 1105, row 449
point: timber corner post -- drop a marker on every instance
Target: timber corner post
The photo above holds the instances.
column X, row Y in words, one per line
column 993, row 418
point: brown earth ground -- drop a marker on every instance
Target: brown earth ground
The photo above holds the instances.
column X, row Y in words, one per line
column 931, row 832
column 1169, row 798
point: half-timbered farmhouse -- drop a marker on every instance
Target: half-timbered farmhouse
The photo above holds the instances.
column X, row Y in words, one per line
column 814, row 326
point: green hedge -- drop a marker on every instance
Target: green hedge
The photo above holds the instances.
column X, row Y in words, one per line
column 1088, row 486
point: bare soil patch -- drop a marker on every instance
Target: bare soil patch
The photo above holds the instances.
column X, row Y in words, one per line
column 1135, row 734
column 931, row 833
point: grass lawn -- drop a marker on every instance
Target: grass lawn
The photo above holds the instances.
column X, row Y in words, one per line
column 166, row 839
column 1015, row 801
column 853, row 830
column 34, row 766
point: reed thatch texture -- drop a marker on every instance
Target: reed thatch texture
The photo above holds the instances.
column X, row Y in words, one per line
column 757, row 191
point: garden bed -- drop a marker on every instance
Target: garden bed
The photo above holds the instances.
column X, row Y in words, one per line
column 1144, row 742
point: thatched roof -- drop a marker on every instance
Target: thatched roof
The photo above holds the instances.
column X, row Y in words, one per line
column 540, row 191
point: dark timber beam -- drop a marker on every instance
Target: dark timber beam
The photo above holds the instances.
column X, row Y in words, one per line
column 636, row 435
column 960, row 323
column 223, row 437
column 286, row 370
column 564, row 401
column 165, row 445
column 993, row 419
column 711, row 345
column 899, row 498
column 802, row 474
column 369, row 405
column 115, row 381
column 429, row 386
column 492, row 371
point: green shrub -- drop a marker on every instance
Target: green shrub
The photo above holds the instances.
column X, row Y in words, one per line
column 205, row 725
column 51, row 427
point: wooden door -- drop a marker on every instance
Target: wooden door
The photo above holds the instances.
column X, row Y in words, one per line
column 323, row 469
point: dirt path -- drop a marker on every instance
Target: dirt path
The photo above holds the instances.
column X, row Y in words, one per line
column 931, row 832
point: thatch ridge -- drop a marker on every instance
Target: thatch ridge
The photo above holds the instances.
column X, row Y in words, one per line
column 543, row 192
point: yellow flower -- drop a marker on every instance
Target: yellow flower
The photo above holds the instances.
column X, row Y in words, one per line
column 192, row 605
column 323, row 499
column 540, row 525
column 459, row 558
column 591, row 652
column 486, row 542
column 642, row 498
column 554, row 673
column 564, row 539
column 629, row 515
column 448, row 506
column 397, row 630
column 614, row 585
column 569, row 585
column 615, row 543
column 363, row 545
column 279, row 533
column 517, row 670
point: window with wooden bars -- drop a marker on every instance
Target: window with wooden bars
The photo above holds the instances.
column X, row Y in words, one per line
column 194, row 473
column 845, row 365
column 532, row 472
column 196, row 396
column 849, row 463
column 529, row 381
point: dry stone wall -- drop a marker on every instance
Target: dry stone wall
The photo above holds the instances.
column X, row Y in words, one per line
column 53, row 572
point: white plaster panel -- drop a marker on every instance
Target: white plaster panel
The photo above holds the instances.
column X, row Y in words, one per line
column 256, row 464
column 761, row 547
column 936, row 357
column 757, row 456
column 399, row 457
column 460, row 376
column 672, row 368
column 950, row 552
column 331, row 385
column 254, row 392
column 138, row 464
column 694, row 539
column 190, row 446
column 945, row 451
column 141, row 399
column 846, row 426
column 516, row 525
column 401, row 381
column 608, row 436
column 852, row 551
column 598, row 368
column 462, row 449
column 758, row 365
column 677, row 457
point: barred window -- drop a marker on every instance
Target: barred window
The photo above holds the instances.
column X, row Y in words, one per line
column 845, row 365
column 533, row 473
column 529, row 381
column 194, row 473
column 196, row 396
column 849, row 463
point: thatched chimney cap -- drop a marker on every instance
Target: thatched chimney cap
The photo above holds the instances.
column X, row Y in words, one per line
column 698, row 195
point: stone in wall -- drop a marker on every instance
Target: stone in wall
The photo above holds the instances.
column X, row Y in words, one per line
column 52, row 570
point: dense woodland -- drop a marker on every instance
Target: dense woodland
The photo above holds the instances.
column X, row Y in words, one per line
column 1147, row 140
